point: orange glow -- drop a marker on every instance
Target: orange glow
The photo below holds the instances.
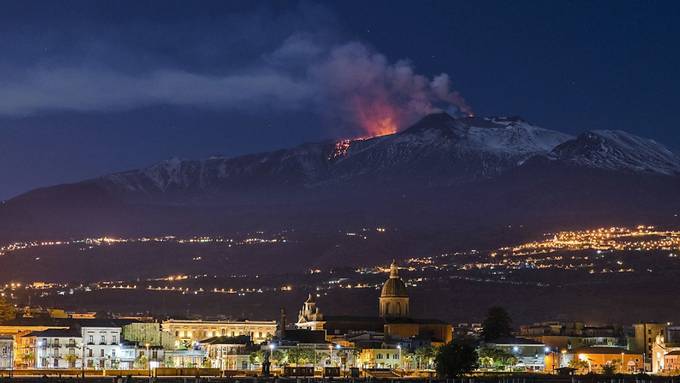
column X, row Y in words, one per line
column 376, row 117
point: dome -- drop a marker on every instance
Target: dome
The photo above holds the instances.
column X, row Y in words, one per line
column 394, row 287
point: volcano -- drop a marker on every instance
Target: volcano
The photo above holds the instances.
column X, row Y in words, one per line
column 442, row 171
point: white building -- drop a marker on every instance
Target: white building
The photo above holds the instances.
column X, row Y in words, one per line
column 56, row 348
column 227, row 353
column 102, row 345
column 6, row 352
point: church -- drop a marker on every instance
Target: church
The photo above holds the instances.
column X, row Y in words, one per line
column 394, row 322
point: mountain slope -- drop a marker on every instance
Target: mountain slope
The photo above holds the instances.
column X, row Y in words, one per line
column 442, row 171
column 439, row 149
column 618, row 151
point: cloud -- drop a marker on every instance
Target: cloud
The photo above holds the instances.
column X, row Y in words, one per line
column 350, row 84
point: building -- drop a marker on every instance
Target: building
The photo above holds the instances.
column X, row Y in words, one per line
column 228, row 353
column 666, row 344
column 101, row 344
column 394, row 300
column 190, row 332
column 594, row 359
column 320, row 352
column 381, row 358
column 56, row 348
column 393, row 319
column 17, row 328
column 643, row 339
column 530, row 355
column 192, row 357
column 672, row 363
column 310, row 317
column 572, row 335
column 6, row 352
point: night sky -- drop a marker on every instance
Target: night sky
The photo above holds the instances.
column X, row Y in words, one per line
column 92, row 87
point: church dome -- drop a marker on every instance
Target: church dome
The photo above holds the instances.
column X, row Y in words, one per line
column 394, row 287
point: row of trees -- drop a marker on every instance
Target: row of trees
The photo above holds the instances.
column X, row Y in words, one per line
column 294, row 356
column 423, row 357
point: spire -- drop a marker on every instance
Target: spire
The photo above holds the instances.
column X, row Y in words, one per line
column 310, row 299
column 394, row 270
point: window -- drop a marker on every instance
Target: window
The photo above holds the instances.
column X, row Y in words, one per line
column 113, row 353
column 90, row 339
column 102, row 339
column 89, row 352
column 379, row 356
column 101, row 352
column 114, row 339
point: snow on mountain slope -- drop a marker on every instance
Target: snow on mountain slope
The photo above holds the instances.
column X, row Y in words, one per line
column 619, row 151
column 451, row 149
column 437, row 150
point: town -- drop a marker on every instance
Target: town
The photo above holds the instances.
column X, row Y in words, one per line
column 395, row 343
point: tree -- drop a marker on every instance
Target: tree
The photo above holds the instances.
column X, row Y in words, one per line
column 71, row 360
column 455, row 359
column 169, row 362
column 610, row 368
column 581, row 366
column 278, row 357
column 7, row 311
column 142, row 362
column 256, row 357
column 409, row 358
column 497, row 359
column 299, row 355
column 497, row 324
column 425, row 356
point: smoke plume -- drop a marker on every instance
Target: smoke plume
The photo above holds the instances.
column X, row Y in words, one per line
column 350, row 84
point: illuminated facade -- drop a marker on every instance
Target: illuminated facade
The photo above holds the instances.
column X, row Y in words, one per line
column 310, row 317
column 645, row 337
column 188, row 332
column 666, row 350
column 380, row 358
column 596, row 358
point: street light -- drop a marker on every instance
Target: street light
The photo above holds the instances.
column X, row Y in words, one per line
column 399, row 348
column 338, row 347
